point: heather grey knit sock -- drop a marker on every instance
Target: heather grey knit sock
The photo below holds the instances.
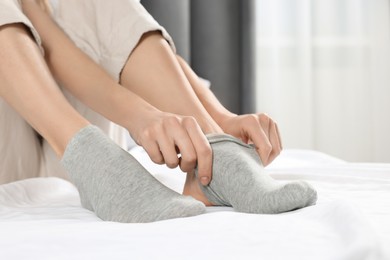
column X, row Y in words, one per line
column 239, row 181
column 116, row 187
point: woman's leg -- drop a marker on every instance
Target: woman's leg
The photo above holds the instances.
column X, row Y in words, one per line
column 20, row 149
column 27, row 85
column 110, row 181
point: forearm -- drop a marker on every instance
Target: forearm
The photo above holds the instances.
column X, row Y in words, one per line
column 216, row 110
column 82, row 76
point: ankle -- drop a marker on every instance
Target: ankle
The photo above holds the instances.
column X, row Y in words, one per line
column 210, row 127
column 191, row 188
column 59, row 140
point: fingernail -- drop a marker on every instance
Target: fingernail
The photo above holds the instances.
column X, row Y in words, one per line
column 204, row 181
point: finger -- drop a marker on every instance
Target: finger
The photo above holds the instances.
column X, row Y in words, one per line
column 153, row 150
column 187, row 161
column 279, row 136
column 265, row 123
column 274, row 140
column 168, row 150
column 260, row 140
column 203, row 151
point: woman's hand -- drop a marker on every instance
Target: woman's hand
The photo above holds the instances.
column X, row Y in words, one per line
column 258, row 129
column 165, row 135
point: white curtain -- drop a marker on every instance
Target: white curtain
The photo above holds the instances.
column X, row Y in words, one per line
column 323, row 73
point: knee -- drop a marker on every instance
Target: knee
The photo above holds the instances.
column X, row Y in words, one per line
column 11, row 36
column 9, row 30
column 151, row 35
column 152, row 39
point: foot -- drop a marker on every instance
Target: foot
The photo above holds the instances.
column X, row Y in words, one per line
column 192, row 188
column 239, row 181
column 116, row 187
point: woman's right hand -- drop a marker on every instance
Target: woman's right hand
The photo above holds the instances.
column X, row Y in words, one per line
column 164, row 136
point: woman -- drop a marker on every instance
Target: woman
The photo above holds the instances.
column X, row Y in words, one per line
column 117, row 60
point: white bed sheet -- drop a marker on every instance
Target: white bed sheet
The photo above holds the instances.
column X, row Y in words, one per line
column 42, row 219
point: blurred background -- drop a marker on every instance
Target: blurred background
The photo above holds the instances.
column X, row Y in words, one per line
column 320, row 68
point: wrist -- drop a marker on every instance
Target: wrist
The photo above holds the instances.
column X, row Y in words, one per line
column 223, row 116
column 130, row 110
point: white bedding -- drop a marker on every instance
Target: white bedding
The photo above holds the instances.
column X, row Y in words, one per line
column 42, row 219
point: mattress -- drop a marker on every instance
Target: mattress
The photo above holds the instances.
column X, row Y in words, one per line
column 42, row 218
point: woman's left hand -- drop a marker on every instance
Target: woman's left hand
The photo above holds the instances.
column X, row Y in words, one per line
column 258, row 129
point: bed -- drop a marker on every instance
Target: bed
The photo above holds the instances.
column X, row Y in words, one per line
column 41, row 218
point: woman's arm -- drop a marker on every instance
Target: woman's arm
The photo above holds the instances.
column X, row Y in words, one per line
column 79, row 74
column 158, row 132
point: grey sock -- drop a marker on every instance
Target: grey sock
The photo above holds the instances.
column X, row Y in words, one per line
column 239, row 181
column 116, row 187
